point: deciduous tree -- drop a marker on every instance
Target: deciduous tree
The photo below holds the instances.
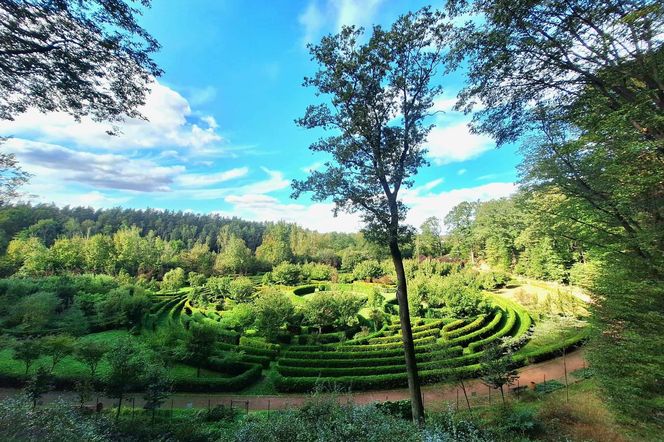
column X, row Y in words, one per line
column 380, row 95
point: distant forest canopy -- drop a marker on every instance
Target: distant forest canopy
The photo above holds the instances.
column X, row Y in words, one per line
column 507, row 234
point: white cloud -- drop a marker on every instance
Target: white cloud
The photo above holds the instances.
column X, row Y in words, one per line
column 169, row 124
column 110, row 171
column 455, row 143
column 461, row 171
column 423, row 205
column 312, row 21
column 319, row 14
column 199, row 96
column 94, row 199
column 275, row 181
column 355, row 12
column 318, row 216
column 430, row 185
column 208, row 179
column 443, row 103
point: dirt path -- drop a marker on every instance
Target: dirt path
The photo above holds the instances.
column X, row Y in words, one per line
column 435, row 396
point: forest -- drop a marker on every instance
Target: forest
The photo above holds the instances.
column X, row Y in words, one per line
column 129, row 324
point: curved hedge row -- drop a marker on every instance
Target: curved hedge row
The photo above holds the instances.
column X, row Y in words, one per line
column 366, row 354
column 397, row 338
column 370, row 362
column 473, row 325
column 394, row 380
column 454, row 325
column 506, row 328
column 479, row 333
column 247, row 377
column 397, row 380
column 305, row 289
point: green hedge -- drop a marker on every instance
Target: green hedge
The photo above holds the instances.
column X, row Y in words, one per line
column 332, row 354
column 507, row 327
column 259, row 343
column 427, row 340
column 378, row 369
column 479, row 333
column 368, row 362
column 397, row 338
column 204, row 385
column 396, row 380
column 396, row 326
column 473, row 325
column 552, row 350
column 454, row 325
column 246, row 349
column 305, row 289
column 346, row 347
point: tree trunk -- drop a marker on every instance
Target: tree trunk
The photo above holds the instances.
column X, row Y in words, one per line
column 117, row 414
column 502, row 395
column 465, row 394
column 407, row 336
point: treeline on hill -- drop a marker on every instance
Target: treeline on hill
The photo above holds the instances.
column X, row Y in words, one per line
column 42, row 240
column 508, row 234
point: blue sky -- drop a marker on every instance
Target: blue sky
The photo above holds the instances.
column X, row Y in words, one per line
column 221, row 135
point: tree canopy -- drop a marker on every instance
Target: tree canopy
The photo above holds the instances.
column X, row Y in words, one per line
column 86, row 58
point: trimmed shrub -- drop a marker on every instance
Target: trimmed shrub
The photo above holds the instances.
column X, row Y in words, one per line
column 473, row 325
column 305, row 289
column 505, row 330
column 478, row 334
column 259, row 343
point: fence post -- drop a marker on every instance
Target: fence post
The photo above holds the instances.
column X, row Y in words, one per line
column 246, row 407
column 566, row 383
column 489, row 395
column 268, row 408
column 457, row 399
column 209, row 406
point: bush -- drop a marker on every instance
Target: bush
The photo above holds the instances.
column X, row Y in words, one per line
column 173, row 280
column 401, row 409
column 318, row 272
column 305, row 289
column 368, row 270
column 326, row 420
column 241, row 289
column 479, row 333
column 286, row 274
column 505, row 330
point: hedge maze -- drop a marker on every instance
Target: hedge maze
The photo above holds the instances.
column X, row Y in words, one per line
column 445, row 348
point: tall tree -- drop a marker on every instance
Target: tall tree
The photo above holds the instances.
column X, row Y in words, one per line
column 381, row 92
column 429, row 241
column 199, row 344
column 583, row 80
column 81, row 57
column 459, row 223
column 126, row 365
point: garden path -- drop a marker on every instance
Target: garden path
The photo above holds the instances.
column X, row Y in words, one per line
column 435, row 396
